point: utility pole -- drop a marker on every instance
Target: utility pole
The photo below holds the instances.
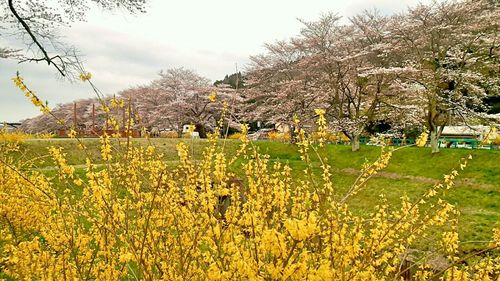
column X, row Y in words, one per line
column 93, row 118
column 74, row 117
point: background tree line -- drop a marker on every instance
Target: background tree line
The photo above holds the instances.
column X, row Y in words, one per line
column 430, row 67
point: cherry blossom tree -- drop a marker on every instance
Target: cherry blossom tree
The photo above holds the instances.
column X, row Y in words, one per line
column 192, row 99
column 456, row 55
column 63, row 117
column 278, row 87
column 151, row 104
column 343, row 68
column 177, row 98
column 8, row 53
column 434, row 63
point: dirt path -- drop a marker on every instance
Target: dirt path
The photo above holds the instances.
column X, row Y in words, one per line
column 430, row 181
column 83, row 166
column 352, row 172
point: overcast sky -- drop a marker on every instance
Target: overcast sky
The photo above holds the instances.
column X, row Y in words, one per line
column 211, row 37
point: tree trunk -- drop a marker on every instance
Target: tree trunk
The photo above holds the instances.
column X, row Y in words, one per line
column 179, row 131
column 201, row 130
column 292, row 134
column 435, row 129
column 355, row 142
column 434, row 142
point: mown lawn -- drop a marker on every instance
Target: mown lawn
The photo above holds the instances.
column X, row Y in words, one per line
column 411, row 171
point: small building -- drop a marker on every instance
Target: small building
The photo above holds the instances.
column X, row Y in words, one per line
column 466, row 132
column 9, row 127
column 185, row 128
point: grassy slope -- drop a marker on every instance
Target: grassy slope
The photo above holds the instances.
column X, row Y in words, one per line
column 477, row 194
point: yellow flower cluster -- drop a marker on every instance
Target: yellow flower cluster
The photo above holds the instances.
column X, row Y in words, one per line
column 489, row 137
column 276, row 136
column 303, row 140
column 421, row 141
column 85, row 76
column 72, row 133
column 330, row 137
column 45, row 135
column 321, row 126
column 117, row 103
column 37, row 102
column 19, row 137
column 369, row 170
column 243, row 137
column 301, row 229
column 213, row 96
column 65, row 170
column 13, row 137
column 190, row 129
column 105, row 108
column 137, row 217
column 105, row 147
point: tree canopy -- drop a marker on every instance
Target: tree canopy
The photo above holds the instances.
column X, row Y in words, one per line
column 433, row 66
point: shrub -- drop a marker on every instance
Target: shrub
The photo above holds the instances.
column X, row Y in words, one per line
column 45, row 135
column 136, row 217
column 169, row 135
column 13, row 137
column 235, row 136
column 497, row 140
column 331, row 137
column 277, row 136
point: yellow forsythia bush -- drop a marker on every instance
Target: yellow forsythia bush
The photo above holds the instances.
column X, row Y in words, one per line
column 169, row 135
column 235, row 136
column 44, row 136
column 497, row 140
column 277, row 136
column 331, row 137
column 137, row 218
column 6, row 136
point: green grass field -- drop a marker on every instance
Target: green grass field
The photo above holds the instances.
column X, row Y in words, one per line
column 411, row 171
